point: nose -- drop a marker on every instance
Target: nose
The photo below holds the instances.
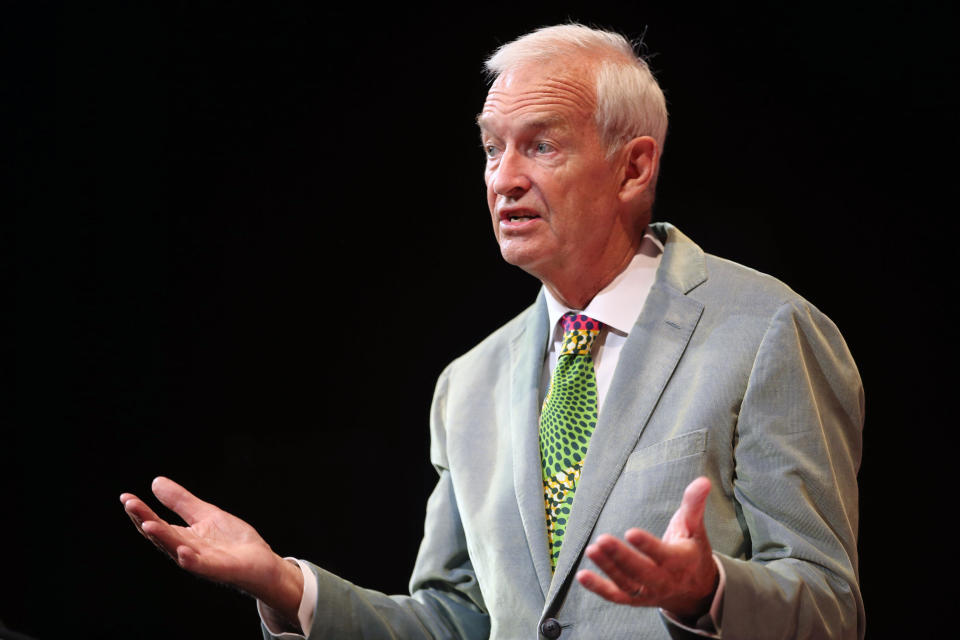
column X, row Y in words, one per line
column 510, row 178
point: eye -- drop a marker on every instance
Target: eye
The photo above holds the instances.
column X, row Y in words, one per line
column 490, row 151
column 543, row 147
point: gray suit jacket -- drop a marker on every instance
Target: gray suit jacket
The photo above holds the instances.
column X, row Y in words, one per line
column 727, row 373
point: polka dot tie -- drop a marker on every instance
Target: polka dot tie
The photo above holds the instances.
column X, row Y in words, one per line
column 567, row 420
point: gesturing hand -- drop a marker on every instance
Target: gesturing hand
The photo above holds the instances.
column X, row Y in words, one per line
column 218, row 546
column 676, row 573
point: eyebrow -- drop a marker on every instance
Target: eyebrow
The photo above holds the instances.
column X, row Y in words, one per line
column 545, row 122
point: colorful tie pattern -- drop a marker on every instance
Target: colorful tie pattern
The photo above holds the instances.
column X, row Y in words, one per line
column 567, row 420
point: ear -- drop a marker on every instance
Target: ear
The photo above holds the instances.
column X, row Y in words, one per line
column 641, row 161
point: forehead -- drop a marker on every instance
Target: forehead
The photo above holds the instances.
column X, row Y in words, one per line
column 546, row 94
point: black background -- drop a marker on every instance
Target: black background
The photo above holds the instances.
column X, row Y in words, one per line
column 237, row 223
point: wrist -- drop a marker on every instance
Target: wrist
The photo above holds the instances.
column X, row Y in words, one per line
column 698, row 606
column 285, row 590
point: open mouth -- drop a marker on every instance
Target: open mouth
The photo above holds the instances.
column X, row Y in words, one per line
column 518, row 216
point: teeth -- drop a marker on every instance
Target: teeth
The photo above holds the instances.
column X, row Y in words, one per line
column 515, row 218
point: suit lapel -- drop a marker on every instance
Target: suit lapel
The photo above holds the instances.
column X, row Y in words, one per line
column 647, row 360
column 526, row 359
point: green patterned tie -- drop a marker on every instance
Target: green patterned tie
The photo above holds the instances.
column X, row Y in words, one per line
column 567, row 420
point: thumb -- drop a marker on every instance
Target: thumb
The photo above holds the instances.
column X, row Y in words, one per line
column 694, row 504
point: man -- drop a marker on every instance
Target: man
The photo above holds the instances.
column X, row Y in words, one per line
column 645, row 370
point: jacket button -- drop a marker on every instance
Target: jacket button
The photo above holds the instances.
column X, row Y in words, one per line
column 550, row 628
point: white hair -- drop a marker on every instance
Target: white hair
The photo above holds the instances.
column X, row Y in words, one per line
column 629, row 100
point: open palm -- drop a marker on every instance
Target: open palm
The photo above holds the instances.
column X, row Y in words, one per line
column 676, row 573
column 215, row 544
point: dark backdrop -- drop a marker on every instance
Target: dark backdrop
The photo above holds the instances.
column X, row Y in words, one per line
column 225, row 209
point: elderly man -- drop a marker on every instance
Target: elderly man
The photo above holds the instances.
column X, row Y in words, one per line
column 646, row 370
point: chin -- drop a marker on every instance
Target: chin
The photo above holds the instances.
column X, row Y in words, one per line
column 515, row 255
column 522, row 260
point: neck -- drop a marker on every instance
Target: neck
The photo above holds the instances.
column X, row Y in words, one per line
column 576, row 290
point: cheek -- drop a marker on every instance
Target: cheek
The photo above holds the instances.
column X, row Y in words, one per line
column 491, row 194
column 492, row 207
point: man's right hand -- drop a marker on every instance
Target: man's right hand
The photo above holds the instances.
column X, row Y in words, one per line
column 218, row 546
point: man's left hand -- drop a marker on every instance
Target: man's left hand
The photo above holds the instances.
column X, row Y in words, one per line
column 676, row 573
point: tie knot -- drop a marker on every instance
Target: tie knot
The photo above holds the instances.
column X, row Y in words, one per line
column 579, row 332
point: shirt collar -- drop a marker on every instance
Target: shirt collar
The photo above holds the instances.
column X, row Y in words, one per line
column 620, row 302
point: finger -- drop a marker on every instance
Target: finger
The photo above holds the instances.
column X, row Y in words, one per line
column 695, row 500
column 138, row 511
column 189, row 559
column 124, row 499
column 648, row 544
column 182, row 502
column 690, row 514
column 625, row 566
column 605, row 588
column 167, row 537
column 152, row 527
column 137, row 522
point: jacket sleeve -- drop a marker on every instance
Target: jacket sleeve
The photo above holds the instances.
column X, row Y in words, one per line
column 445, row 600
column 797, row 451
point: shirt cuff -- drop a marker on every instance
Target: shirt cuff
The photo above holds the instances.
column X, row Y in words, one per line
column 308, row 604
column 707, row 626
